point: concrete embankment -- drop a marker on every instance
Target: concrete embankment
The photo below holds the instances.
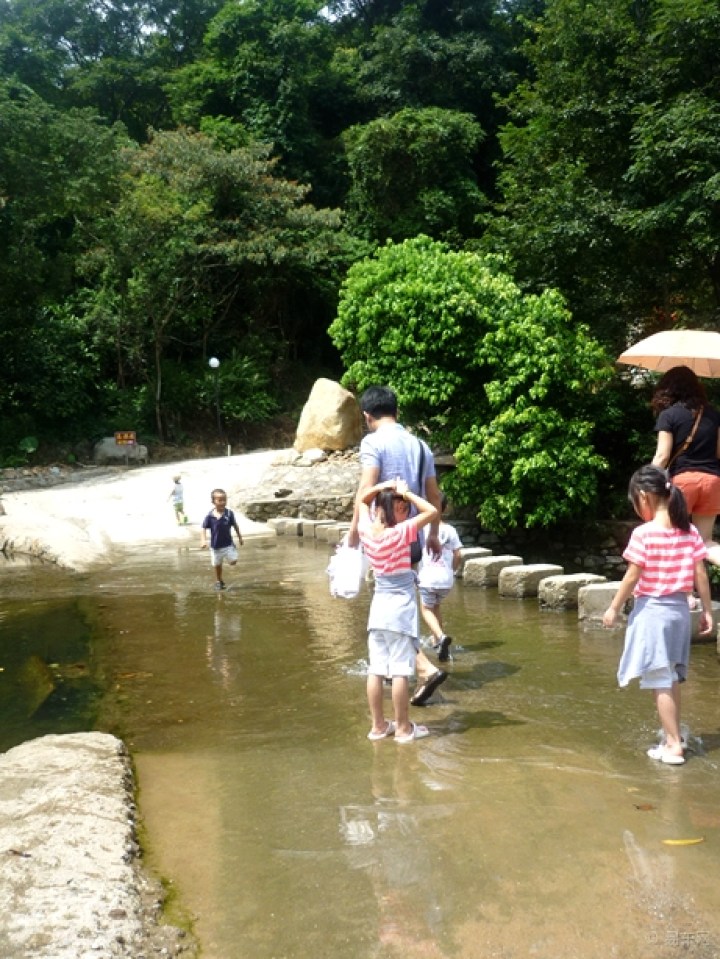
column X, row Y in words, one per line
column 72, row 884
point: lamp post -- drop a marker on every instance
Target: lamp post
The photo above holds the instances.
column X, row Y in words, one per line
column 214, row 364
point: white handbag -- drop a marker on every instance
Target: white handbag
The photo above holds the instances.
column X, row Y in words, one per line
column 346, row 569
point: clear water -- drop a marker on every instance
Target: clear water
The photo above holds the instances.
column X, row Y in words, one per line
column 530, row 823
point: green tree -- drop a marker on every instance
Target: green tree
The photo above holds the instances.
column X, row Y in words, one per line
column 76, row 53
column 206, row 247
column 457, row 56
column 413, row 173
column 56, row 170
column 609, row 180
column 672, row 205
column 450, row 55
column 508, row 380
column 113, row 56
column 297, row 73
column 564, row 152
column 267, row 66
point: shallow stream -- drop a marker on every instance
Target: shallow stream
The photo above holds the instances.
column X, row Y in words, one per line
column 530, row 823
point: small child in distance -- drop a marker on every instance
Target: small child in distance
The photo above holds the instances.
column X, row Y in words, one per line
column 177, row 496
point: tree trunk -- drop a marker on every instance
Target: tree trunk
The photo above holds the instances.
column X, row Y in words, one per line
column 158, row 390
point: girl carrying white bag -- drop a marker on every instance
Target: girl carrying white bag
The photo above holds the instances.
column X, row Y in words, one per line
column 347, row 569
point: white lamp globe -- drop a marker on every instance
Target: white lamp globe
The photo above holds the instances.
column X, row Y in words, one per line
column 213, row 362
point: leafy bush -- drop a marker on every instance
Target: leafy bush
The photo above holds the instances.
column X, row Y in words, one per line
column 29, row 444
column 247, row 392
column 508, row 380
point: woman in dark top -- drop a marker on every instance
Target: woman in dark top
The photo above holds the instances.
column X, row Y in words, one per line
column 679, row 403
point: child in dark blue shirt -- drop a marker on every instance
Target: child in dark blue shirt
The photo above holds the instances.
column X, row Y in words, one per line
column 221, row 522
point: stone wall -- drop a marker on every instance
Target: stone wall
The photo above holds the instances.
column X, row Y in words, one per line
column 337, row 508
column 592, row 548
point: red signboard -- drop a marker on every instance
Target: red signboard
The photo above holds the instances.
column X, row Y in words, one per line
column 126, row 438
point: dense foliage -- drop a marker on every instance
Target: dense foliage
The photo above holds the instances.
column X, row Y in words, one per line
column 183, row 180
column 506, row 378
column 228, row 247
column 412, row 173
column 610, row 184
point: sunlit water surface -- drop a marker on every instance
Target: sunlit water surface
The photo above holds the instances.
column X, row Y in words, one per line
column 529, row 824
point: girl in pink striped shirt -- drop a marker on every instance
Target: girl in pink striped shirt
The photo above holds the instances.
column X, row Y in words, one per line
column 386, row 534
column 665, row 560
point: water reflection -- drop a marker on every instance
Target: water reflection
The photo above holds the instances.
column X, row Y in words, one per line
column 391, row 842
column 50, row 681
column 220, row 649
column 530, row 823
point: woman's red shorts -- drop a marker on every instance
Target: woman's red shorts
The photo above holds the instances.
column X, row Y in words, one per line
column 701, row 492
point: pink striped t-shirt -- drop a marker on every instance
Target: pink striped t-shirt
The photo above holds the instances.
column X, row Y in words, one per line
column 667, row 558
column 391, row 552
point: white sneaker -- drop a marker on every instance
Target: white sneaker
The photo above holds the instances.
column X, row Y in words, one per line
column 661, row 755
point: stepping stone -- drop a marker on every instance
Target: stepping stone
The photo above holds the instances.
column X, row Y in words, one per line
column 522, row 581
column 561, row 592
column 323, row 529
column 695, row 617
column 485, row 571
column 470, row 552
column 336, row 533
column 594, row 599
column 309, row 526
column 292, row 526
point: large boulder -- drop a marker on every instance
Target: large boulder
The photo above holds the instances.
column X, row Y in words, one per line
column 330, row 419
column 108, row 451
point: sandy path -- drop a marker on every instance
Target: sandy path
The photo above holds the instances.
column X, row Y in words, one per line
column 78, row 525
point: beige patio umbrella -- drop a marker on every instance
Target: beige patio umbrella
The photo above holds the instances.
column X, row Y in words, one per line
column 698, row 349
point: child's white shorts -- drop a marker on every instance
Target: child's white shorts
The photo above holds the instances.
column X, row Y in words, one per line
column 662, row 678
column 228, row 554
column 390, row 653
column 432, row 597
